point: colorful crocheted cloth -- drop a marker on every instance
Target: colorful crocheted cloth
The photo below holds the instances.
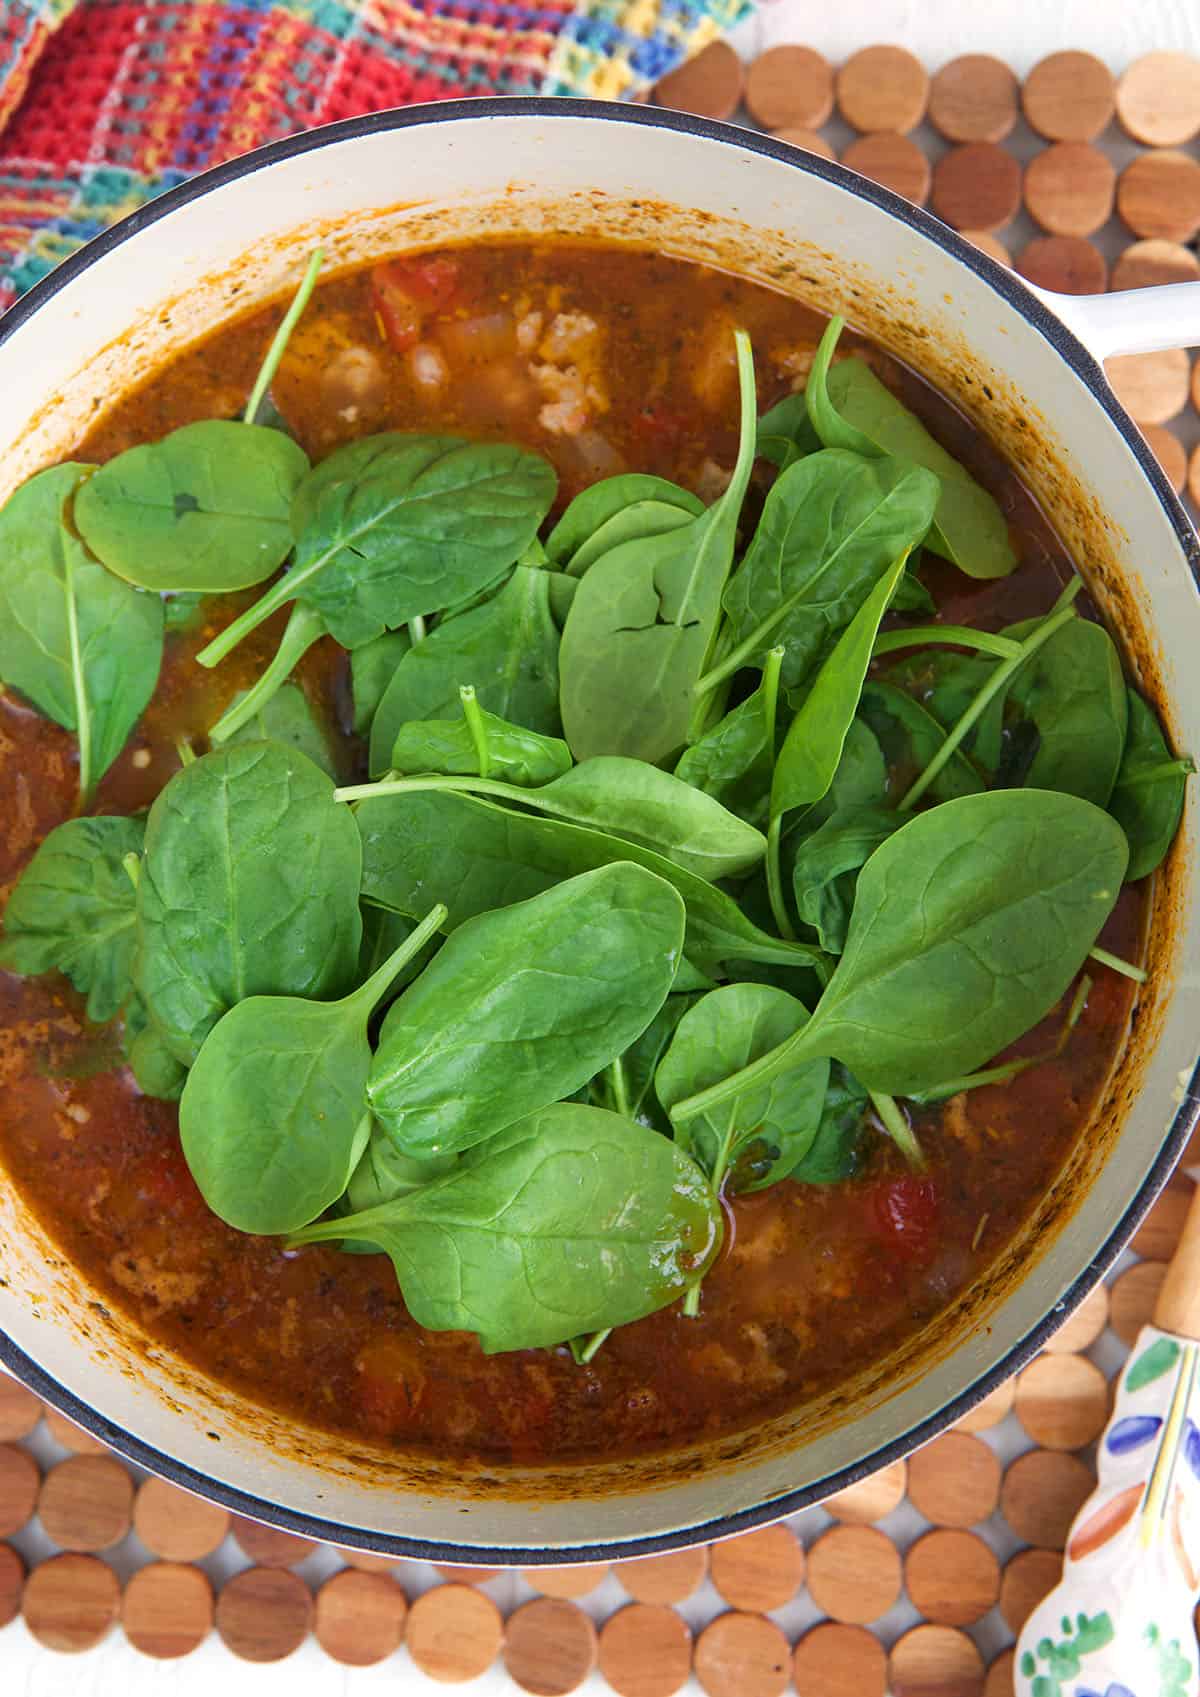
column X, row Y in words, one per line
column 105, row 103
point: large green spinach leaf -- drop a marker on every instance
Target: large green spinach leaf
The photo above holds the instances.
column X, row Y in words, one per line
column 73, row 911
column 785, row 432
column 480, row 744
column 249, row 887
column 910, row 737
column 593, row 507
column 207, row 508
column 826, row 865
column 372, row 668
column 524, row 1005
column 83, row 646
column 1073, row 691
column 572, row 1220
column 1147, row 801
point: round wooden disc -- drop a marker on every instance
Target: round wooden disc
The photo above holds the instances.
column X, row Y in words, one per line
column 1062, row 1401
column 710, row 85
column 86, row 1503
column 264, row 1613
column 759, row 1570
column 1151, row 387
column 1134, row 1294
column 12, row 1581
column 1026, row 1579
column 1158, row 195
column 935, row 1661
column 167, row 1609
column 19, row 1480
column 71, row 1436
column 366, row 1561
column 991, row 1411
column 268, row 1546
column 988, row 244
column 1158, row 99
column 71, row 1602
column 1069, row 97
column 839, row 1661
column 973, row 98
column 1043, row 1491
column 456, row 1573
column 955, row 1480
column 808, row 140
column 20, row 1410
column 951, row 1577
column 789, row 88
column 1143, row 265
column 976, row 187
column 454, row 1633
column 664, row 1579
column 882, row 88
column 360, row 1617
column 1169, row 451
column 1193, row 484
column 176, row 1525
column 566, row 1581
column 1067, row 264
column 871, row 1498
column 645, row 1651
column 999, row 1681
column 740, row 1655
column 892, row 160
column 1069, row 188
column 1158, row 1235
column 854, row 1574
column 1082, row 1326
column 549, row 1646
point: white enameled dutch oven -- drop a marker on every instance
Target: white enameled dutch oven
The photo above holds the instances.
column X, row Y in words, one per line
column 1025, row 366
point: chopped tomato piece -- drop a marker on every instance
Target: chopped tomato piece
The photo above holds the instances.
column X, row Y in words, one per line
column 408, row 291
column 905, row 1214
column 659, row 427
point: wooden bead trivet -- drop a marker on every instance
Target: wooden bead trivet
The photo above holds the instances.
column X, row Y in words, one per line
column 882, row 88
column 20, row 1410
column 71, row 1602
column 645, row 1651
column 973, row 98
column 1067, row 264
column 19, row 1481
column 789, row 88
column 665, row 1579
column 1069, row 188
column 366, row 1561
column 1144, row 265
column 951, row 1577
column 760, row 1570
column 1193, row 480
column 742, row 1655
column 892, row 160
column 809, row 140
column 999, row 1681
column 566, row 1581
column 935, row 1661
column 1135, row 1293
column 1158, row 99
column 872, row 1498
column 1026, row 1579
column 267, row 1546
column 86, row 1503
column 1042, row 1492
column 991, row 1410
column 1062, row 1401
column 839, row 1661
column 176, row 1525
column 264, row 1614
column 1152, row 387
column 1159, row 1233
column 1069, row 97
column 457, row 1574
column 955, row 1480
column 167, row 1610
column 1170, row 453
column 71, row 1436
column 454, row 1633
column 1081, row 1328
column 12, row 1583
column 710, row 84
column 360, row 1617
column 1158, row 195
column 550, row 1646
column 976, row 186
column 989, row 244
column 854, row 1574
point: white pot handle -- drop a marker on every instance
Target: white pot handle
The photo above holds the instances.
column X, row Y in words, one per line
column 1132, row 321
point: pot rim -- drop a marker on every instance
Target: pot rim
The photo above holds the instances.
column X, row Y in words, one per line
column 1067, row 345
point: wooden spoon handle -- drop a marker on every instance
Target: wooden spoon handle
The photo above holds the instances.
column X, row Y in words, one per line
column 1178, row 1307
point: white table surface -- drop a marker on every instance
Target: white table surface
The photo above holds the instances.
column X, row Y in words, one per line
column 935, row 30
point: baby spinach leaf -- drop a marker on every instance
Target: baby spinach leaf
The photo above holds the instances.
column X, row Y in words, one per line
column 383, row 933
column 571, row 1220
column 945, row 684
column 272, row 1116
column 472, row 856
column 392, row 527
column 755, row 1138
column 785, row 432
column 249, row 887
column 648, row 609
column 480, row 744
column 826, row 865
column 833, row 1157
column 290, row 718
column 910, row 737
column 303, row 629
column 1073, row 691
column 523, row 1005
column 969, row 923
column 207, row 508
column 384, row 1172
column 830, row 526
column 861, row 780
column 372, row 668
column 636, row 523
column 594, row 506
column 82, row 646
column 734, row 762
column 72, row 911
column 156, row 1071
column 507, row 649
column 1147, row 801
column 850, row 408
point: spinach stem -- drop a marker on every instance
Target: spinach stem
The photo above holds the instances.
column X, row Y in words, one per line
column 619, row 1086
column 1126, row 968
column 775, row 880
column 476, row 726
column 691, row 1300
column 83, row 710
column 133, row 867
column 1009, row 1070
column 770, row 688
column 185, row 751
column 281, row 591
column 898, row 1129
column 416, row 628
column 282, row 336
column 998, row 680
column 960, row 636
column 377, row 984
column 303, row 628
column 585, row 1351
